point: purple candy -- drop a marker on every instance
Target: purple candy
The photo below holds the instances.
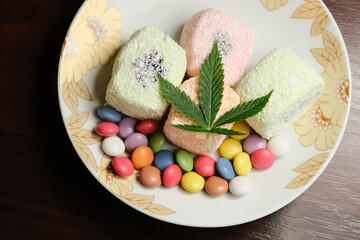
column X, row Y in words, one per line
column 253, row 143
column 135, row 140
column 127, row 127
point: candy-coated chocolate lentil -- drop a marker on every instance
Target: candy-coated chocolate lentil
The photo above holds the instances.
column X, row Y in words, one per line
column 134, row 141
column 242, row 164
column 229, row 148
column 163, row 159
column 240, row 186
column 184, row 160
column 216, row 186
column 142, row 157
column 262, row 159
column 253, row 143
column 279, row 145
column 109, row 114
column 205, row 165
column 150, row 176
column 113, row 146
column 171, row 176
column 192, row 182
column 148, row 126
column 106, row 129
column 123, row 166
column 242, row 127
column 127, row 127
column 157, row 141
column 225, row 168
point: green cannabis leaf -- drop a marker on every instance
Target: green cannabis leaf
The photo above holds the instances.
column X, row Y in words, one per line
column 211, row 88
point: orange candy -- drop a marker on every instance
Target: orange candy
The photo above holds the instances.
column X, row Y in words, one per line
column 142, row 157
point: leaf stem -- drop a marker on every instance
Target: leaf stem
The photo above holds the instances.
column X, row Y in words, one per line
column 208, row 141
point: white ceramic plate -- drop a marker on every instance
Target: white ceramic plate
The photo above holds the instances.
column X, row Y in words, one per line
column 307, row 26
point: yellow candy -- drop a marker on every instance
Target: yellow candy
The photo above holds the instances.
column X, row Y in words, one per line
column 242, row 164
column 240, row 127
column 192, row 182
column 229, row 148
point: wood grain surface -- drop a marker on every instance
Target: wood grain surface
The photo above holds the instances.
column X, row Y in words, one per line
column 42, row 197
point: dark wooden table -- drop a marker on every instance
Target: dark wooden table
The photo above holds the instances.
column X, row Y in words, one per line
column 42, row 198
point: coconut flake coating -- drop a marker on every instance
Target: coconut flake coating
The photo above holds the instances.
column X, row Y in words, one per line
column 193, row 141
column 235, row 41
column 296, row 86
column 134, row 88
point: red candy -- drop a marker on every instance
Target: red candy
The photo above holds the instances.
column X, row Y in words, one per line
column 123, row 166
column 171, row 176
column 147, row 127
column 205, row 165
column 262, row 159
column 107, row 129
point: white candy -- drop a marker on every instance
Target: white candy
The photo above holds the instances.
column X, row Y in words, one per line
column 113, row 146
column 279, row 145
column 240, row 186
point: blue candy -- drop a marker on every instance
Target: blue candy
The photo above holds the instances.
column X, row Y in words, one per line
column 163, row 159
column 225, row 168
column 109, row 114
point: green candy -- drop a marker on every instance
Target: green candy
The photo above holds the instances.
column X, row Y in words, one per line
column 157, row 142
column 184, row 160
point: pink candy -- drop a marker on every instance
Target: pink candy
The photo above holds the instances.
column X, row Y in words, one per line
column 262, row 159
column 171, row 176
column 107, row 129
column 205, row 165
column 123, row 166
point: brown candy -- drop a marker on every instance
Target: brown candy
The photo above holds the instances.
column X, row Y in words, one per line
column 150, row 176
column 216, row 186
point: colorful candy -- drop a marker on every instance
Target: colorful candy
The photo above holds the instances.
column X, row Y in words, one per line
column 106, row 129
column 171, row 176
column 184, row 160
column 242, row 127
column 229, row 148
column 150, row 176
column 205, row 165
column 109, row 114
column 113, row 146
column 279, row 145
column 192, row 182
column 157, row 141
column 123, row 166
column 216, row 186
column 240, row 186
column 127, row 127
column 242, row 164
column 253, row 143
column 135, row 140
column 163, row 159
column 262, row 159
column 225, row 168
column 142, row 157
column 147, row 126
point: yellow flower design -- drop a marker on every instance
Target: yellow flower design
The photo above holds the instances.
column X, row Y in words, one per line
column 94, row 37
column 314, row 9
column 335, row 97
column 315, row 127
column 273, row 4
column 77, row 53
column 106, row 28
